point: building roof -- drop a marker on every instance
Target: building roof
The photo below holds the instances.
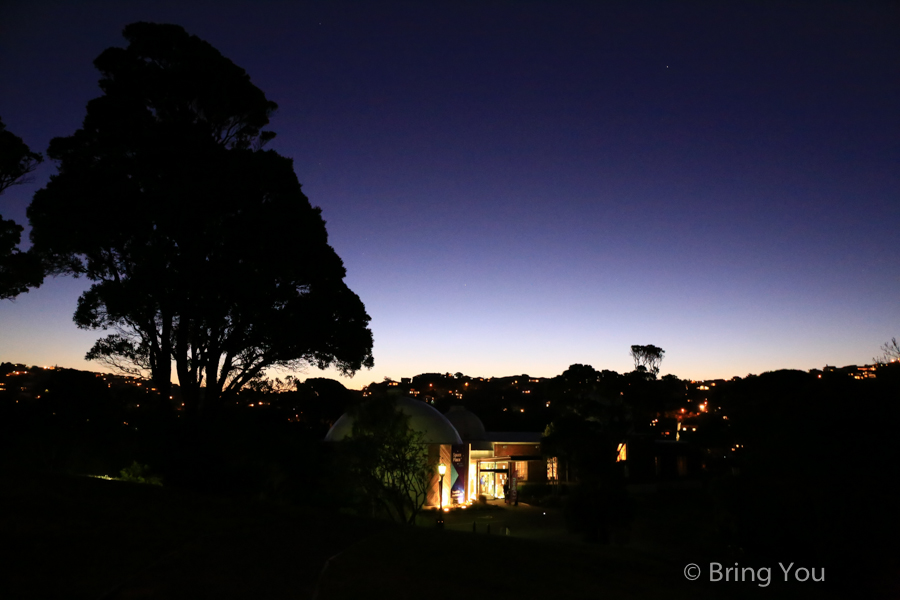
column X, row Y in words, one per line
column 422, row 417
column 514, row 437
column 467, row 423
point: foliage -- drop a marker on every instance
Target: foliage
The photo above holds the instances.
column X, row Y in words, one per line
column 586, row 445
column 201, row 245
column 576, row 389
column 389, row 460
column 16, row 159
column 593, row 417
column 320, row 402
column 18, row 270
column 808, row 443
column 650, row 357
column 138, row 473
column 537, row 493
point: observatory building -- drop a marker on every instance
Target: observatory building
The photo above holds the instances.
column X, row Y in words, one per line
column 478, row 462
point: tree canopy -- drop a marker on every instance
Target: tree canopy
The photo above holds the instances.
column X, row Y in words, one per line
column 16, row 159
column 203, row 250
column 18, row 270
column 388, row 459
column 649, row 357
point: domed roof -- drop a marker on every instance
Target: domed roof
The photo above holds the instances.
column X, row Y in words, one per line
column 469, row 426
column 422, row 417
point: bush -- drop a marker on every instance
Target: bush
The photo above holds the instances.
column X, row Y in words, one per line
column 138, row 473
column 594, row 510
column 532, row 493
column 551, row 501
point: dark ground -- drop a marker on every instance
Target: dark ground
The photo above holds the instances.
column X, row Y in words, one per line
column 77, row 537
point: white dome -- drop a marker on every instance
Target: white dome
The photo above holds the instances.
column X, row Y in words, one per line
column 467, row 423
column 422, row 417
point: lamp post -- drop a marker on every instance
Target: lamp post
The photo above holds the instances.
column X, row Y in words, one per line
column 442, row 468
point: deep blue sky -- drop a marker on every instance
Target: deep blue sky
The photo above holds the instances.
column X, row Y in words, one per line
column 524, row 186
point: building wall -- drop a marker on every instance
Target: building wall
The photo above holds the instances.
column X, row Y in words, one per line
column 438, row 453
column 536, row 471
column 517, row 449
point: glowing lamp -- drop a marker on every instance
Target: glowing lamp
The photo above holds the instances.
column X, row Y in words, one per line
column 442, row 469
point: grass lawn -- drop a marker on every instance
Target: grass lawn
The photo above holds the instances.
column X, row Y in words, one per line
column 426, row 563
column 78, row 537
column 537, row 559
column 75, row 537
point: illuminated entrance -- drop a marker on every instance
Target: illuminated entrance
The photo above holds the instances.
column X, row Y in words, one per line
column 492, row 478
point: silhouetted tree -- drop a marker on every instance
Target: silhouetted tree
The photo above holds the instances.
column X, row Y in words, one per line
column 320, row 402
column 202, row 248
column 18, row 270
column 575, row 390
column 592, row 419
column 586, row 449
column 797, row 477
column 16, row 159
column 585, row 444
column 890, row 352
column 649, row 357
column 389, row 459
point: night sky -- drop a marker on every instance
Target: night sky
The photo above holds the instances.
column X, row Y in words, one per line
column 523, row 186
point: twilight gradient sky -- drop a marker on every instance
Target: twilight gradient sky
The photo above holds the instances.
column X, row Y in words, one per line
column 516, row 187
